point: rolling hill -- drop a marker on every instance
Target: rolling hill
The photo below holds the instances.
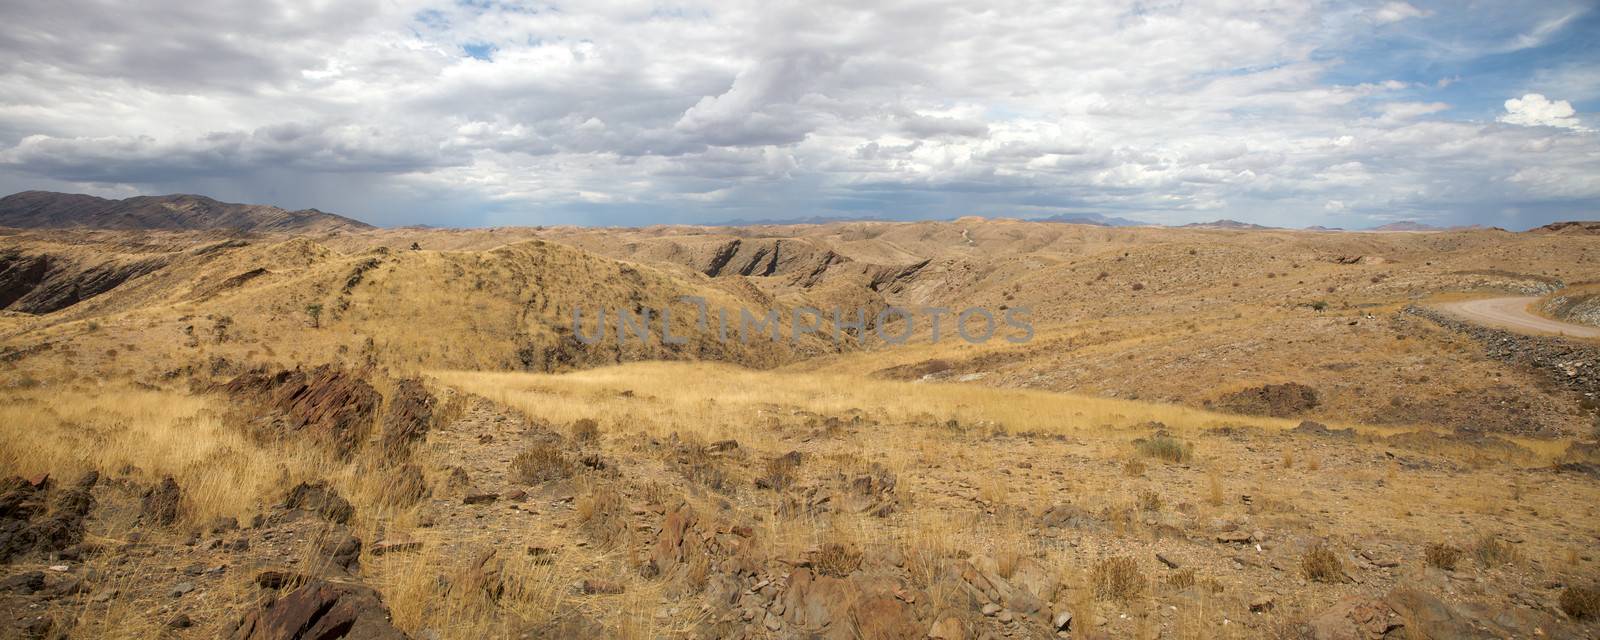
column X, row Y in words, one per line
column 51, row 210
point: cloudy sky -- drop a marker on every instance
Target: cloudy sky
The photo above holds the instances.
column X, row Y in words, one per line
column 478, row 112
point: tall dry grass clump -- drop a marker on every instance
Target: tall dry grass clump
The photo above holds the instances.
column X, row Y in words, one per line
column 1441, row 555
column 1321, row 564
column 1118, row 579
column 585, row 430
column 1491, row 551
column 1165, row 448
column 541, row 463
column 1581, row 602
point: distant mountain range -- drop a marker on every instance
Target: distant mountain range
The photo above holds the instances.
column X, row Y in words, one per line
column 1091, row 218
column 1226, row 224
column 778, row 222
column 1405, row 225
column 51, row 210
column 1067, row 218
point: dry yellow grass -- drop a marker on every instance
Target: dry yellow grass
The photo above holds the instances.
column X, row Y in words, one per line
column 717, row 401
column 149, row 434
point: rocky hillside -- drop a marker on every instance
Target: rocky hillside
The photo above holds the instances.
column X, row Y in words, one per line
column 1580, row 305
column 1570, row 228
column 50, row 210
column 196, row 300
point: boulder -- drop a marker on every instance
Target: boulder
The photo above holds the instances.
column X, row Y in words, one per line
column 409, row 416
column 161, row 503
column 1276, row 400
column 1317, row 429
column 843, row 608
column 25, row 583
column 26, row 525
column 320, row 610
column 328, row 403
column 1355, row 618
column 342, row 550
column 320, row 499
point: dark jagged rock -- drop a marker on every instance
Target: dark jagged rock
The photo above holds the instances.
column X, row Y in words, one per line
column 343, row 550
column 162, row 503
column 1276, row 400
column 27, row 526
column 20, row 500
column 25, row 583
column 320, row 610
column 331, row 404
column 410, row 413
column 320, row 499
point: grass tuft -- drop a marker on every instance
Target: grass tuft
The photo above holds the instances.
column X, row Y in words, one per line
column 1321, row 564
column 1166, row 448
column 541, row 463
column 1117, row 578
column 1441, row 555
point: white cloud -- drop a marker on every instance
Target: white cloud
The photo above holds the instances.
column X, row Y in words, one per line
column 712, row 109
column 1394, row 112
column 1397, row 11
column 1535, row 110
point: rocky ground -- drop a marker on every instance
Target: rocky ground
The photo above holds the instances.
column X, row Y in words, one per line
column 836, row 525
column 393, row 434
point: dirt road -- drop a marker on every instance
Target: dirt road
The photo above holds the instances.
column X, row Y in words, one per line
column 1513, row 314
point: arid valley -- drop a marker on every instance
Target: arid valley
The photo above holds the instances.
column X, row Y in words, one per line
column 236, row 421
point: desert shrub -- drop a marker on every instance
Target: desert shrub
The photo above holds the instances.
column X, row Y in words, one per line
column 603, row 514
column 1442, row 555
column 585, row 430
column 1321, row 564
column 1580, row 602
column 837, row 560
column 696, row 463
column 1181, row 580
column 541, row 463
column 1149, row 500
column 1166, row 448
column 1491, row 551
column 1133, row 468
column 1117, row 579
